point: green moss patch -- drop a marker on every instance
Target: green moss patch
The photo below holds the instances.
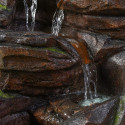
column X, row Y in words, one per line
column 5, row 95
column 3, row 7
column 120, row 111
column 55, row 50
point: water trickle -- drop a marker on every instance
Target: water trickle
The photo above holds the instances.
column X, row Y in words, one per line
column 32, row 9
column 57, row 21
column 88, row 81
column 90, row 97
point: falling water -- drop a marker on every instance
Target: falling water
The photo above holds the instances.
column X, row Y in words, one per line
column 32, row 9
column 89, row 96
column 57, row 22
column 88, row 81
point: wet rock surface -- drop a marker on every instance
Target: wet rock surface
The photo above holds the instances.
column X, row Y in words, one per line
column 96, row 7
column 105, row 17
column 50, row 70
column 100, row 115
column 53, row 62
column 114, row 68
column 16, row 119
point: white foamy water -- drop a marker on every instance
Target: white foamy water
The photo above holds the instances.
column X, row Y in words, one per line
column 57, row 22
column 90, row 102
column 32, row 9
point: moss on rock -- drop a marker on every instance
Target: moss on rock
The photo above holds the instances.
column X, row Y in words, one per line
column 3, row 7
column 55, row 50
column 5, row 95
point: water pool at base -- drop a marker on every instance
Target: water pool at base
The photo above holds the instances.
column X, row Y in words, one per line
column 90, row 102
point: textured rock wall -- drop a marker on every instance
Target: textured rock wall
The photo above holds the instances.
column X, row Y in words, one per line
column 99, row 25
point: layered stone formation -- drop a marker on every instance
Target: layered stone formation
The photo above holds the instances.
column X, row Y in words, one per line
column 47, row 70
column 99, row 24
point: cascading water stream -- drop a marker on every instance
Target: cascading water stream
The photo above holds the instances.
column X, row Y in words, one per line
column 32, row 9
column 89, row 96
column 57, row 21
column 88, row 81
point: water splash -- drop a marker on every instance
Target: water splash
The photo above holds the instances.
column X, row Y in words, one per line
column 88, row 81
column 57, row 22
column 32, row 9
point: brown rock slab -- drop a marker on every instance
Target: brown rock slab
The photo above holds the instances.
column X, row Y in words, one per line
column 46, row 116
column 17, row 103
column 113, row 71
column 94, row 23
column 38, row 63
column 97, row 45
column 10, row 106
column 59, row 109
column 16, row 119
column 95, row 7
column 101, row 114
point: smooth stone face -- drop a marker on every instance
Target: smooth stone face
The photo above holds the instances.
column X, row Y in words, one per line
column 17, row 103
column 94, row 23
column 109, row 25
column 16, row 119
column 113, row 71
column 115, row 7
column 101, row 114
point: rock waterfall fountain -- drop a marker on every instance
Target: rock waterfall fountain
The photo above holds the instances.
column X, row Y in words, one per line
column 51, row 79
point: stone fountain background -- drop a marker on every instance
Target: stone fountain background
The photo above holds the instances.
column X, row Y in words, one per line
column 46, row 71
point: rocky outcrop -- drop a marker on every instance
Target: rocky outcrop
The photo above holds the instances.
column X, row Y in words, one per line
column 113, row 72
column 100, row 115
column 39, row 64
column 99, row 25
column 106, row 17
column 16, row 119
column 96, row 7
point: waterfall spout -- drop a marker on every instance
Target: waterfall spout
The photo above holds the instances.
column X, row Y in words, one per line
column 32, row 9
column 57, row 22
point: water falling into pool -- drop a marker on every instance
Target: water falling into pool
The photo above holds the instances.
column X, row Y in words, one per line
column 32, row 9
column 88, row 81
column 57, row 21
column 90, row 97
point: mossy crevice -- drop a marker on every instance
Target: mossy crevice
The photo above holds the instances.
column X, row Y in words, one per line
column 5, row 95
column 3, row 7
column 55, row 50
column 120, row 111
